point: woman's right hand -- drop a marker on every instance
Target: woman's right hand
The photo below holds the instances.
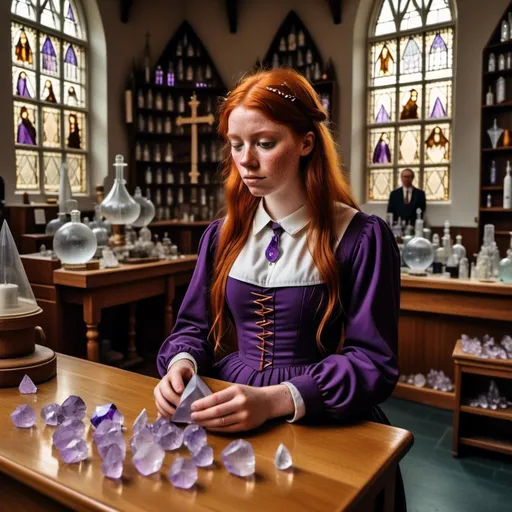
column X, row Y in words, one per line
column 168, row 391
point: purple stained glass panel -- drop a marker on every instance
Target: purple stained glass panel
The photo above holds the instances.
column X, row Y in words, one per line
column 381, row 146
column 70, row 15
column 438, row 53
column 26, row 123
column 382, row 115
column 382, row 153
column 71, row 63
column 23, row 82
column 49, row 56
column 72, row 20
column 382, row 106
column 438, row 110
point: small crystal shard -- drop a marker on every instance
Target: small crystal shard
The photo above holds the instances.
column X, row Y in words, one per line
column 106, row 412
column 203, row 457
column 183, row 473
column 110, row 439
column 169, row 437
column 148, row 458
column 145, row 436
column 158, row 423
column 194, row 437
column 23, row 416
column 140, row 422
column 27, row 387
column 75, row 451
column 104, row 428
column 282, row 458
column 238, row 458
column 196, row 389
column 112, row 466
column 49, row 414
column 72, row 407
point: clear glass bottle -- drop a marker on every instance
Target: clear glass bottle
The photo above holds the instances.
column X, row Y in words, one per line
column 119, row 207
column 74, row 243
column 55, row 224
column 506, row 265
column 147, row 210
column 459, row 251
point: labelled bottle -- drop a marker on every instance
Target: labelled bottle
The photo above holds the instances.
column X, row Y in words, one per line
column 507, row 188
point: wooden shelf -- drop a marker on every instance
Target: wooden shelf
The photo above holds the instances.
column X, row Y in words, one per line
column 502, row 414
column 498, row 73
column 488, row 443
column 500, row 46
column 504, row 104
column 497, row 150
column 492, row 187
column 182, row 88
column 502, row 233
column 429, row 396
column 496, row 209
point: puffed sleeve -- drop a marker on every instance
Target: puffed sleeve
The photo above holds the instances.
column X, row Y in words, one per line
column 365, row 371
column 193, row 323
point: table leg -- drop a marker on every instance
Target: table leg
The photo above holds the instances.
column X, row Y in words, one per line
column 92, row 318
column 389, row 492
column 133, row 358
column 169, row 299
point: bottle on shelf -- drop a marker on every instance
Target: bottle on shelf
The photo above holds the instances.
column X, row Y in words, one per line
column 159, row 76
column 146, row 156
column 488, row 203
column 491, row 66
column 168, row 125
column 158, row 153
column 151, row 126
column 170, row 75
column 149, row 99
column 489, row 97
column 181, row 105
column 159, row 176
column 170, row 103
column 159, row 102
column 507, row 188
column 159, row 127
column 501, row 62
column 148, row 176
column 138, row 151
column 501, row 94
column 505, row 271
column 459, row 251
column 141, row 125
column 492, row 173
column 147, row 61
column 505, row 31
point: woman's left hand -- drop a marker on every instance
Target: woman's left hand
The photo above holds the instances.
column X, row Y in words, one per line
column 233, row 409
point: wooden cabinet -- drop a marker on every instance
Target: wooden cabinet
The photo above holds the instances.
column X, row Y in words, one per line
column 473, row 426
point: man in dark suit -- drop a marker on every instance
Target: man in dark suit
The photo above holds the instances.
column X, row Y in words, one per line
column 404, row 200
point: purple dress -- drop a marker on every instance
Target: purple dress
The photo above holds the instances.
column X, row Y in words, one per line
column 338, row 384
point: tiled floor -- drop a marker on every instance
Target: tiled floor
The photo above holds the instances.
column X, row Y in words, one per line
column 437, row 482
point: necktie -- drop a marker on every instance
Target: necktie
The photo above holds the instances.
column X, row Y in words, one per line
column 407, row 196
column 272, row 251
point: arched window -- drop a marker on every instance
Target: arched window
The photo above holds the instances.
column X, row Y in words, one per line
column 49, row 77
column 410, row 86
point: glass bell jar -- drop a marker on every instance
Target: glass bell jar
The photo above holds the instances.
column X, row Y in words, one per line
column 506, row 265
column 119, row 206
column 418, row 256
column 16, row 296
column 74, row 243
column 147, row 210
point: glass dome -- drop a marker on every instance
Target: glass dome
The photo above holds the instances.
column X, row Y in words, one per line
column 418, row 255
column 147, row 210
column 74, row 243
column 119, row 207
column 16, row 296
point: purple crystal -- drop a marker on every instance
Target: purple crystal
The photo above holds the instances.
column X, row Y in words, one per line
column 149, row 458
column 27, row 387
column 72, row 407
column 203, row 457
column 67, row 432
column 158, row 423
column 145, row 436
column 183, row 473
column 104, row 428
column 194, row 438
column 282, row 458
column 49, row 414
column 238, row 458
column 196, row 389
column 23, row 416
column 110, row 439
column 106, row 412
column 112, row 466
column 75, row 451
column 140, row 422
column 169, row 437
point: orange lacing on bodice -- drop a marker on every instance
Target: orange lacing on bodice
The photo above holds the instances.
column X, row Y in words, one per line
column 266, row 354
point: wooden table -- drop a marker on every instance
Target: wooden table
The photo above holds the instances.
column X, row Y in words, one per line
column 127, row 284
column 335, row 467
column 485, row 428
column 434, row 312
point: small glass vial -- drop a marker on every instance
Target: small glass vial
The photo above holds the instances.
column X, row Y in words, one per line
column 501, row 62
column 159, row 176
column 492, row 174
column 140, row 99
column 491, row 66
column 149, row 99
column 169, row 178
column 159, row 102
column 489, row 201
column 168, row 125
column 149, row 176
column 489, row 97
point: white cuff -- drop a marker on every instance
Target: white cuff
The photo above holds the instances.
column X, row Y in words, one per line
column 298, row 402
column 179, row 357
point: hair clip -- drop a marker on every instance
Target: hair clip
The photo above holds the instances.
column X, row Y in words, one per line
column 290, row 97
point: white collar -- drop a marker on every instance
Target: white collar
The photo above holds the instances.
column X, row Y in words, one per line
column 292, row 224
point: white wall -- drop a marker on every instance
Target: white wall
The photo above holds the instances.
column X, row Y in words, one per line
column 233, row 54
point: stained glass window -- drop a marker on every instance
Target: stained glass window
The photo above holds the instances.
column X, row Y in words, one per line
column 410, row 69
column 49, row 75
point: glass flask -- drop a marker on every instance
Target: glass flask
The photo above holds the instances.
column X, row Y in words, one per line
column 119, row 207
column 147, row 210
column 55, row 224
column 16, row 296
column 74, row 243
column 506, row 265
column 418, row 255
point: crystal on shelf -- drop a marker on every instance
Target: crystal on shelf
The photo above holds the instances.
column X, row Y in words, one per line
column 105, row 427
column 140, row 422
column 72, row 407
column 282, row 458
column 148, row 458
column 106, row 412
column 112, row 466
column 111, row 439
column 495, row 133
column 23, row 416
column 144, row 436
column 49, row 414
column 157, row 424
column 169, row 437
column 420, row 380
column 203, row 457
column 75, row 451
column 194, row 437
column 183, row 473
column 27, row 387
column 195, row 389
column 238, row 458
column 66, row 433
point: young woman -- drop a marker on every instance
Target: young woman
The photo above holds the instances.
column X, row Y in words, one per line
column 310, row 284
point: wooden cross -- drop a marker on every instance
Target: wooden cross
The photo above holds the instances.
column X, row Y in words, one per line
column 194, row 120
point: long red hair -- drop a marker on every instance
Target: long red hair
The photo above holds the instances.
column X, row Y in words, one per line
column 321, row 171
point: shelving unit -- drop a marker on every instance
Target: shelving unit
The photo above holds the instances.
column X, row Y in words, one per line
column 502, row 112
column 294, row 47
column 161, row 148
column 472, row 426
